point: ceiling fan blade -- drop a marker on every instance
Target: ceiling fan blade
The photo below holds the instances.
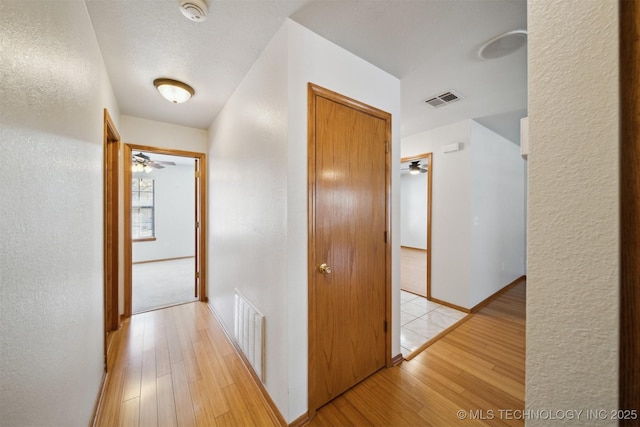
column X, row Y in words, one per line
column 165, row 163
column 141, row 157
column 155, row 165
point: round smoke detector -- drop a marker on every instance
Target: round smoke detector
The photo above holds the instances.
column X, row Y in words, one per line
column 194, row 10
column 503, row 44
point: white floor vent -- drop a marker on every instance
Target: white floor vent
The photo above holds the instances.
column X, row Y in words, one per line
column 249, row 333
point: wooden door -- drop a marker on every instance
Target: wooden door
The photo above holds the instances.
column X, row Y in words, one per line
column 348, row 144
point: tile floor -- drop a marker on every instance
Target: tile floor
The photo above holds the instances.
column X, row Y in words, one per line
column 422, row 320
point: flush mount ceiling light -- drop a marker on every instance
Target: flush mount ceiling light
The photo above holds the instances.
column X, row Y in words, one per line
column 173, row 90
column 502, row 45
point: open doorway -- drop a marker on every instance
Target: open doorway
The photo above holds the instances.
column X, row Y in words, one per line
column 421, row 320
column 163, row 228
column 415, row 224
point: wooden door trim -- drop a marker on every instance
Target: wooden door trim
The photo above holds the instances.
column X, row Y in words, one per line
column 111, row 148
column 629, row 374
column 314, row 91
column 429, row 157
column 128, row 242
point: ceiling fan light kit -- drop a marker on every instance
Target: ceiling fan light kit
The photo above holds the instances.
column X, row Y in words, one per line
column 140, row 167
column 173, row 90
column 415, row 168
column 140, row 162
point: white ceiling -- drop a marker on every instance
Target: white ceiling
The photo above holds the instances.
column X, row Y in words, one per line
column 430, row 45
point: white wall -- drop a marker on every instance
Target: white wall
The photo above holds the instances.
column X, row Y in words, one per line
column 137, row 131
column 174, row 188
column 248, row 206
column 450, row 210
column 258, row 217
column 51, row 257
column 413, row 210
column 478, row 219
column 573, row 247
column 497, row 213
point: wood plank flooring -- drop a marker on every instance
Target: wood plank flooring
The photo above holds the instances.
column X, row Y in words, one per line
column 413, row 271
column 478, row 369
column 176, row 367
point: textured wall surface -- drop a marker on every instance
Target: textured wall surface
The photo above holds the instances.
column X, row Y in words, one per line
column 573, row 266
column 137, row 131
column 258, row 186
column 248, row 206
column 451, row 210
column 54, row 88
column 497, row 218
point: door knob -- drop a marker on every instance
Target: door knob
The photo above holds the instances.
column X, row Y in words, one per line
column 324, row 268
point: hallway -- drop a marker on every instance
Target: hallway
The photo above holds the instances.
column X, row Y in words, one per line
column 176, row 366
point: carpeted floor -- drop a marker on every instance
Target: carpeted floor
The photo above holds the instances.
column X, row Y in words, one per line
column 163, row 283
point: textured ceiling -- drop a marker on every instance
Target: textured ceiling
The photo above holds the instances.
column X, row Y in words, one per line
column 430, row 45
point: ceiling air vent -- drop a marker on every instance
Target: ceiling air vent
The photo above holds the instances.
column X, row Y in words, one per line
column 443, row 99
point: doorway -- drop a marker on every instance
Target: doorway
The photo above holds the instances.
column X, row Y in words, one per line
column 110, row 238
column 421, row 320
column 164, row 228
column 415, row 223
column 349, row 243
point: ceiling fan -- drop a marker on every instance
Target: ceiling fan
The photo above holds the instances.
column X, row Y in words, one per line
column 142, row 162
column 415, row 168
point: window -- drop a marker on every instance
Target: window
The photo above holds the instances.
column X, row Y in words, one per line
column 142, row 209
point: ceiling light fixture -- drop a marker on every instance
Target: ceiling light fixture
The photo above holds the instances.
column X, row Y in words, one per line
column 174, row 90
column 141, row 167
column 415, row 168
column 502, row 45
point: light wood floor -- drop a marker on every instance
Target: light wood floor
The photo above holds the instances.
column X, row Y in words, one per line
column 413, row 271
column 176, row 367
column 478, row 367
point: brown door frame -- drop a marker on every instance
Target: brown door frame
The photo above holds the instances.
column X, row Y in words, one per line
column 629, row 374
column 128, row 241
column 111, row 148
column 313, row 92
column 429, row 157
